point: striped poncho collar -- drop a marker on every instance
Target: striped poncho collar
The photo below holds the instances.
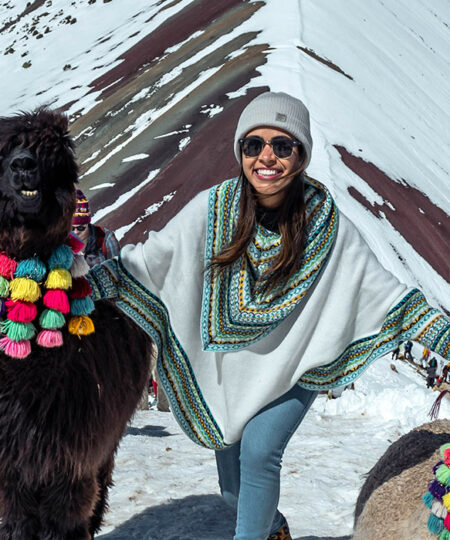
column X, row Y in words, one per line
column 235, row 310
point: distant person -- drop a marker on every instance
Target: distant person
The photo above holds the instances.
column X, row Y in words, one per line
column 408, row 349
column 431, row 372
column 100, row 242
column 259, row 293
column 396, row 353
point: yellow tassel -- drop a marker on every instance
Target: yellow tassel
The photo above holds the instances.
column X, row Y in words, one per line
column 446, row 501
column 81, row 325
column 59, row 278
column 24, row 289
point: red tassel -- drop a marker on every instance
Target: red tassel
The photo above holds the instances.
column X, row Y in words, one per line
column 80, row 288
column 57, row 299
column 21, row 311
column 7, row 266
column 74, row 243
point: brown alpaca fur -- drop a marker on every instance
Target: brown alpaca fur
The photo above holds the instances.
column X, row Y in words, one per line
column 394, row 510
column 62, row 410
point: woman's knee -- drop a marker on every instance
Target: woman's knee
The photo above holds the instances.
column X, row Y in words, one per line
column 257, row 455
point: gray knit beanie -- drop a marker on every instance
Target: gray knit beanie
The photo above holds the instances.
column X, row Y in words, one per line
column 275, row 109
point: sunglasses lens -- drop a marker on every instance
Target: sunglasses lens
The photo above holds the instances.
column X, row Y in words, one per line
column 80, row 228
column 282, row 147
column 252, row 146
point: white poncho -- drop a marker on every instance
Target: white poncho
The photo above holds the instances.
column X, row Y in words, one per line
column 225, row 349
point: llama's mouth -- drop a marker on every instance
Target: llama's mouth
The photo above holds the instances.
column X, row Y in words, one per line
column 29, row 194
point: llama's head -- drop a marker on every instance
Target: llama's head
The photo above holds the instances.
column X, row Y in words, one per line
column 38, row 173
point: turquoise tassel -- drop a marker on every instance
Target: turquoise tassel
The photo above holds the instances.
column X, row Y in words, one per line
column 82, row 306
column 62, row 257
column 32, row 269
column 435, row 525
column 428, row 499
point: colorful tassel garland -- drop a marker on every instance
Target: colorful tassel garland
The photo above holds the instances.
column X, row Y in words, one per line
column 447, row 521
column 15, row 349
column 81, row 326
column 61, row 258
column 17, row 331
column 32, row 269
column 20, row 311
column 24, row 289
column 59, row 278
column 439, row 510
column 80, row 288
column 445, row 453
column 57, row 299
column 4, row 287
column 7, row 266
column 49, row 338
column 51, row 318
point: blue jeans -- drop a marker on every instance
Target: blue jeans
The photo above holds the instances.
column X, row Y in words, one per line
column 249, row 471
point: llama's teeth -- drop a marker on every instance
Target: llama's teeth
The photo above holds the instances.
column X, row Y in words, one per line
column 29, row 193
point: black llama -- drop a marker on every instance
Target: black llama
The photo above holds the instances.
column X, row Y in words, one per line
column 63, row 409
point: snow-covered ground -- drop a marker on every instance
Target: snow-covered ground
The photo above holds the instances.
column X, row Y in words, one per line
column 166, row 486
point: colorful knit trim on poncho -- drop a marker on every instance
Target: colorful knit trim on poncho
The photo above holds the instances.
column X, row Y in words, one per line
column 236, row 312
column 437, row 499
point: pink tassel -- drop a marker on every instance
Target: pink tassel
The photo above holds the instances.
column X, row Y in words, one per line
column 15, row 349
column 21, row 311
column 74, row 243
column 7, row 266
column 49, row 338
column 57, row 299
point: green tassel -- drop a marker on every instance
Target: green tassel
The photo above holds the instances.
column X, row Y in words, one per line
column 445, row 535
column 17, row 331
column 435, row 524
column 4, row 287
column 428, row 499
column 52, row 318
column 443, row 475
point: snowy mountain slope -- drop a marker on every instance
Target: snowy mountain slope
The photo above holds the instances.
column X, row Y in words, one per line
column 166, row 80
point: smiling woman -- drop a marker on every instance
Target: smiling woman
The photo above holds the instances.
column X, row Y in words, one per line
column 258, row 294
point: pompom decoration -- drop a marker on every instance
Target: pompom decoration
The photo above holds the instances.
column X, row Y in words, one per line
column 32, row 269
column 4, row 287
column 52, row 318
column 75, row 244
column 20, row 290
column 438, row 499
column 445, row 454
column 58, row 278
column 7, row 266
column 15, row 349
column 2, row 307
column 81, row 326
column 82, row 306
column 24, row 289
column 80, row 288
column 49, row 338
column 21, row 311
column 79, row 266
column 17, row 331
column 61, row 258
column 57, row 299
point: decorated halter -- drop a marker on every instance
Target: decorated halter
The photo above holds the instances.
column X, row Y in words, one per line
column 437, row 499
column 66, row 291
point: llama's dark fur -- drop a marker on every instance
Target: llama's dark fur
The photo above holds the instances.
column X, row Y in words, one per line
column 62, row 410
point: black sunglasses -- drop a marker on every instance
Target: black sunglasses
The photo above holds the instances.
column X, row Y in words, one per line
column 282, row 146
column 79, row 228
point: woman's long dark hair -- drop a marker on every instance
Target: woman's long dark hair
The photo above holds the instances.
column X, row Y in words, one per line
column 291, row 226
